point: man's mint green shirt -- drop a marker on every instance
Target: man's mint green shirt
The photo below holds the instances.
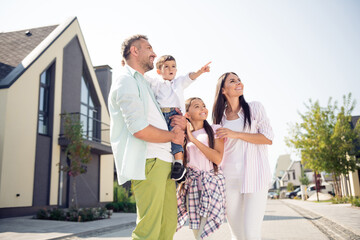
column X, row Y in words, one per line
column 128, row 109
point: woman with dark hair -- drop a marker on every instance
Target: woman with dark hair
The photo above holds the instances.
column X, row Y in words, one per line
column 202, row 196
column 245, row 163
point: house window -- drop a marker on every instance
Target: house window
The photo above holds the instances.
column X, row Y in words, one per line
column 294, row 175
column 43, row 122
column 88, row 113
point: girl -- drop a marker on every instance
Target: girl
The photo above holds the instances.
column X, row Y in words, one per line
column 202, row 196
column 246, row 166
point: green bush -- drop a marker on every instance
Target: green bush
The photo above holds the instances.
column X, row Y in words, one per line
column 124, row 200
column 57, row 214
column 73, row 214
column 341, row 200
column 290, row 187
column 42, row 214
column 130, row 207
column 355, row 202
column 110, row 206
column 120, row 193
column 119, row 207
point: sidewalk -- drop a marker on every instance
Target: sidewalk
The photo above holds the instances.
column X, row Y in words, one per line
column 28, row 228
column 280, row 223
column 284, row 219
column 344, row 215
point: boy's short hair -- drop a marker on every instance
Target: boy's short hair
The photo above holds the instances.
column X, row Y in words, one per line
column 126, row 45
column 164, row 59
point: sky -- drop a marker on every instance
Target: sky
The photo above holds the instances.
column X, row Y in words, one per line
column 285, row 52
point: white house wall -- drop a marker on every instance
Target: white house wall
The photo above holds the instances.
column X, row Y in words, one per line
column 18, row 125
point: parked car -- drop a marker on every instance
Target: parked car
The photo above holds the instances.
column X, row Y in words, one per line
column 325, row 188
column 273, row 195
column 293, row 193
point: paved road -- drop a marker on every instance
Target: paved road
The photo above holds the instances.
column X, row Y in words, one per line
column 280, row 222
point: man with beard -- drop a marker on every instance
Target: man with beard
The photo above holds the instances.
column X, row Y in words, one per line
column 141, row 143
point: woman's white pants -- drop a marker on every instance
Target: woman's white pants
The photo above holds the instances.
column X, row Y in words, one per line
column 245, row 212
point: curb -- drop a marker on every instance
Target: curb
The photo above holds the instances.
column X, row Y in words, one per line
column 97, row 232
column 331, row 229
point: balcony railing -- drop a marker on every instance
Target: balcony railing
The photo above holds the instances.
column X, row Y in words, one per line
column 96, row 134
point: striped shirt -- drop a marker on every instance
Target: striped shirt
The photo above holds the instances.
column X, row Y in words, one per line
column 210, row 203
column 246, row 165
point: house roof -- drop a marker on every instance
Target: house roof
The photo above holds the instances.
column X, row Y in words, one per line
column 15, row 46
column 283, row 162
column 19, row 49
column 354, row 120
column 290, row 168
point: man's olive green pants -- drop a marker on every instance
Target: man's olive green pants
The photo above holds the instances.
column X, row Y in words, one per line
column 155, row 202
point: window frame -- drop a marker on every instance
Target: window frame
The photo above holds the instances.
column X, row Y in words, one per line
column 45, row 100
column 92, row 114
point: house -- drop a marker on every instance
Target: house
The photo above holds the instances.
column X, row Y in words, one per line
column 292, row 175
column 350, row 184
column 44, row 73
column 282, row 164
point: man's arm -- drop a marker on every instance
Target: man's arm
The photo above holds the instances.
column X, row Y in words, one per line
column 195, row 75
column 156, row 135
column 132, row 110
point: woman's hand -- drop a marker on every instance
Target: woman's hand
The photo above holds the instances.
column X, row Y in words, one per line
column 256, row 138
column 226, row 133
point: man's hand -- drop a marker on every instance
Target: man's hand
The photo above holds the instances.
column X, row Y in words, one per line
column 178, row 120
column 179, row 135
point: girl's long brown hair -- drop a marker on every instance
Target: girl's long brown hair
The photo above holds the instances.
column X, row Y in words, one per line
column 208, row 129
column 220, row 102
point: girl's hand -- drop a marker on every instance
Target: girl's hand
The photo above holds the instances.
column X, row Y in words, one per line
column 189, row 129
column 226, row 133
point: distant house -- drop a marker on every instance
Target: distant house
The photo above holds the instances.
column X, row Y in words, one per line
column 292, row 175
column 45, row 72
column 283, row 162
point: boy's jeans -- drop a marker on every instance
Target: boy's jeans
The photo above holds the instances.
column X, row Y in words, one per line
column 168, row 112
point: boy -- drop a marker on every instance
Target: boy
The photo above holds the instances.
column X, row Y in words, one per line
column 169, row 93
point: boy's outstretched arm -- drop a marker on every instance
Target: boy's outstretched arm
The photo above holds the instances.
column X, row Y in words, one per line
column 195, row 75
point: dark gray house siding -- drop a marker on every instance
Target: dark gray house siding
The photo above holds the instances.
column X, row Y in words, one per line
column 74, row 68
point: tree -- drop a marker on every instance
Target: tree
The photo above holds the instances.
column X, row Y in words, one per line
column 290, row 187
column 304, row 180
column 325, row 140
column 77, row 152
column 309, row 137
column 347, row 140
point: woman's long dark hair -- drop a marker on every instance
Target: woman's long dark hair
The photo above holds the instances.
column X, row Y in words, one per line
column 220, row 102
column 208, row 129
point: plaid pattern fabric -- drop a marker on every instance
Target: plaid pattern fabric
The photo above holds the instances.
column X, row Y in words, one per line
column 210, row 204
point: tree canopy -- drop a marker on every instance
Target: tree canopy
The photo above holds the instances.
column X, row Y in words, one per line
column 325, row 139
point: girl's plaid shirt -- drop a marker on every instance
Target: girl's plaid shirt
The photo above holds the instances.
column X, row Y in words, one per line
column 210, row 204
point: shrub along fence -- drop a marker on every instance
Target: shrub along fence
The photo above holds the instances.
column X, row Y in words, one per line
column 124, row 200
